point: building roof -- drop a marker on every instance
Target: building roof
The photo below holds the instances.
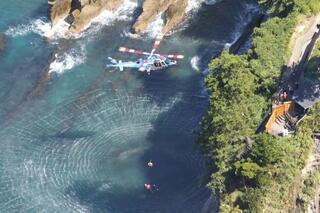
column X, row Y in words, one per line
column 308, row 93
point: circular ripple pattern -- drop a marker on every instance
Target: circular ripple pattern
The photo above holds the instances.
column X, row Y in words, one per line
column 88, row 156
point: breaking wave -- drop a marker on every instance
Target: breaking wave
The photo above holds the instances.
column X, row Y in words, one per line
column 155, row 27
column 193, row 5
column 195, row 63
column 212, row 2
column 244, row 18
column 39, row 26
column 106, row 18
column 67, row 60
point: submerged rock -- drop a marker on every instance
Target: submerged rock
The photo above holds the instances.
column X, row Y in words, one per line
column 2, row 42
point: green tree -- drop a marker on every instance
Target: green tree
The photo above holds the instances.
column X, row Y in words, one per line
column 249, row 170
column 277, row 6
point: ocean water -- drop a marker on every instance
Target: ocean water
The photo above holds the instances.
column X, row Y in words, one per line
column 76, row 138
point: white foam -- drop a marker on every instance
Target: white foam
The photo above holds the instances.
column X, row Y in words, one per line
column 58, row 31
column 41, row 27
column 212, row 2
column 195, row 63
column 124, row 12
column 193, row 5
column 107, row 18
column 244, row 18
column 155, row 27
column 67, row 60
column 235, row 36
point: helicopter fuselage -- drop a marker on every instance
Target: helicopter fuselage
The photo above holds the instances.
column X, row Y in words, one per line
column 153, row 63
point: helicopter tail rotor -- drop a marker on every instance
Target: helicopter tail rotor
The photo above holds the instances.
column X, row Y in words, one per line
column 115, row 63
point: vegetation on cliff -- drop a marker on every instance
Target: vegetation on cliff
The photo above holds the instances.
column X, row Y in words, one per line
column 283, row 7
column 254, row 172
column 310, row 185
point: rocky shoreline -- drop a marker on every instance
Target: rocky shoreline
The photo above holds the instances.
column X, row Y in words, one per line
column 173, row 12
column 80, row 13
column 212, row 204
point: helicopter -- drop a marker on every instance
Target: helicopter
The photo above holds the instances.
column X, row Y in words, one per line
column 151, row 62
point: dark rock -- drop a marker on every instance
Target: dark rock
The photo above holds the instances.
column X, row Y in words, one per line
column 2, row 42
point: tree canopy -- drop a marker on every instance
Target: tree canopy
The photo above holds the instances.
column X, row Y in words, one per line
column 262, row 174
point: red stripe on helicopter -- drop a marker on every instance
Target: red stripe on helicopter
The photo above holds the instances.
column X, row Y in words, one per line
column 160, row 36
column 173, row 56
column 128, row 50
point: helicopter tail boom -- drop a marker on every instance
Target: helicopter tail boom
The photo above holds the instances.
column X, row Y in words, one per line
column 115, row 63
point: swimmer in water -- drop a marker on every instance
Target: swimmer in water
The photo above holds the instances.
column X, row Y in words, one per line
column 150, row 164
column 147, row 186
column 150, row 187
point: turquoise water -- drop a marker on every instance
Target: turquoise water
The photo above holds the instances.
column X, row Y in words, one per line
column 79, row 140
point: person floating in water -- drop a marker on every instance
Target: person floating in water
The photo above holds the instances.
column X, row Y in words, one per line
column 150, row 164
column 150, row 187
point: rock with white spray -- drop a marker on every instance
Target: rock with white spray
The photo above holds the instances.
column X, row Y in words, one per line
column 80, row 13
column 173, row 12
column 60, row 10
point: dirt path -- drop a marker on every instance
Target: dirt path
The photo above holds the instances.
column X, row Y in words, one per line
column 302, row 44
column 302, row 37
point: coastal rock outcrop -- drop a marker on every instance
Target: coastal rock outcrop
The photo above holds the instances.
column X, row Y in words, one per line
column 172, row 11
column 60, row 10
column 89, row 11
column 79, row 13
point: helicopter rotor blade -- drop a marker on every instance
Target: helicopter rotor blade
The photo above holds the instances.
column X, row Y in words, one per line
column 173, row 56
column 128, row 50
column 157, row 43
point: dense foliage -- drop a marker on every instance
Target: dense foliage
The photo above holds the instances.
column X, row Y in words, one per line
column 254, row 172
column 310, row 185
column 283, row 7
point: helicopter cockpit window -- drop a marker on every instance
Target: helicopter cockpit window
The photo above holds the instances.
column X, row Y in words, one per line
column 157, row 63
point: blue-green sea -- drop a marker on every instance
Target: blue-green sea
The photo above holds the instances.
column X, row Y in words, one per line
column 75, row 137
